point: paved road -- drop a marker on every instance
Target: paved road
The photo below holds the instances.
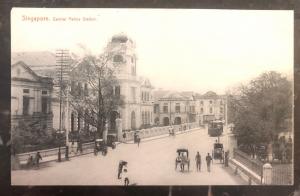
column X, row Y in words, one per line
column 153, row 163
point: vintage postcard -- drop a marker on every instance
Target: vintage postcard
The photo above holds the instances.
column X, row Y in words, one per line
column 151, row 97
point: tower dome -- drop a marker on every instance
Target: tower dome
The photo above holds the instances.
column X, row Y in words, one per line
column 120, row 38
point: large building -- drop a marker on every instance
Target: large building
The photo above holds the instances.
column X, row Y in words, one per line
column 30, row 98
column 185, row 107
column 137, row 91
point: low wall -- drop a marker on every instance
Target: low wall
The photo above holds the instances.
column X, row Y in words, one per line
column 155, row 131
column 246, row 174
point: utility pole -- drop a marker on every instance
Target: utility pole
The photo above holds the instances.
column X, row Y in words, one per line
column 63, row 61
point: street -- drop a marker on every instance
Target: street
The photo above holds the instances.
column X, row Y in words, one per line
column 152, row 163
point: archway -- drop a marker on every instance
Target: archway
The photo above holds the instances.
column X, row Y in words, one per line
column 133, row 124
column 177, row 121
column 166, row 121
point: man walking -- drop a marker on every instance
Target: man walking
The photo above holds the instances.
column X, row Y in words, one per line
column 208, row 161
column 198, row 161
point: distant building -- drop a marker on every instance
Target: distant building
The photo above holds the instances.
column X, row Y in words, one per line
column 30, row 98
column 173, row 108
column 186, row 107
column 210, row 106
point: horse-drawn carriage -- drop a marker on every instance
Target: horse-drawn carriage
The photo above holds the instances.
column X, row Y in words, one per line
column 182, row 159
column 100, row 146
column 218, row 152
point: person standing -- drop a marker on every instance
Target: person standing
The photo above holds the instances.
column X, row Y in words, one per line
column 125, row 176
column 198, row 161
column 38, row 157
column 208, row 161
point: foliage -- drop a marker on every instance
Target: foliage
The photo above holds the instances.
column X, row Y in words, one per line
column 92, row 93
column 26, row 137
column 260, row 108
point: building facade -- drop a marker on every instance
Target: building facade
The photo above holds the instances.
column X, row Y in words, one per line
column 30, row 98
column 210, row 106
column 173, row 108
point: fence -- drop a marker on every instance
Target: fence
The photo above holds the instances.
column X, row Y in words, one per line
column 52, row 154
column 282, row 174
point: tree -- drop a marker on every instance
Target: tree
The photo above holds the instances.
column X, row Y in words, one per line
column 26, row 135
column 93, row 90
column 260, row 108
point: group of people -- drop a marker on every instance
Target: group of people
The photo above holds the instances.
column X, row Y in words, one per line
column 208, row 159
column 34, row 161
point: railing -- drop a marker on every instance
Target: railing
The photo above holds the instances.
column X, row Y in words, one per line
column 52, row 154
column 282, row 174
column 252, row 164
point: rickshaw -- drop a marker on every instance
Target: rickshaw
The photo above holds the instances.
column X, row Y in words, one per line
column 182, row 159
column 100, row 146
column 218, row 152
column 111, row 141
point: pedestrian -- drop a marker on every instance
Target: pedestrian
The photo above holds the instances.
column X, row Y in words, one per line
column 124, row 136
column 208, row 161
column 126, row 178
column 120, row 168
column 79, row 147
column 29, row 161
column 198, row 161
column 38, row 157
column 138, row 140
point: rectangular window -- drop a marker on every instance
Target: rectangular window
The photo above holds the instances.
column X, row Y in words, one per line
column 44, row 105
column 156, row 108
column 165, row 109
column 25, row 90
column 133, row 94
column 177, row 108
column 221, row 110
column 201, row 110
column 44, row 92
column 25, row 105
column 210, row 110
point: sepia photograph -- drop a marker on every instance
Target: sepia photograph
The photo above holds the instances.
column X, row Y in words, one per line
column 134, row 97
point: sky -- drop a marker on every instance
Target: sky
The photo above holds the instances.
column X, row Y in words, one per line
column 177, row 49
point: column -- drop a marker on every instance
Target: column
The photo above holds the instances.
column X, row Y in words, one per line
column 267, row 174
column 105, row 132
column 119, row 128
